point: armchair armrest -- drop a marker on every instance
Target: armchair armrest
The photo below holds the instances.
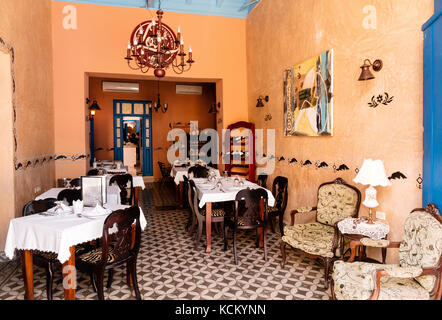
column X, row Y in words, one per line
column 354, row 244
column 300, row 210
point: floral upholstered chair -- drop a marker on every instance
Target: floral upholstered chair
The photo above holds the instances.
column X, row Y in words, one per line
column 416, row 277
column 336, row 201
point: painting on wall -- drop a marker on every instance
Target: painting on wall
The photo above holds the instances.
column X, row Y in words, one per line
column 308, row 97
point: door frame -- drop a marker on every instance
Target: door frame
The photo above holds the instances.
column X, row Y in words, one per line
column 145, row 152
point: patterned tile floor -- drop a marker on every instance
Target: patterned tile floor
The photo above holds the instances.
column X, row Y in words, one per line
column 170, row 268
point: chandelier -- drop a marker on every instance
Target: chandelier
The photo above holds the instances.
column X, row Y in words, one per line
column 153, row 44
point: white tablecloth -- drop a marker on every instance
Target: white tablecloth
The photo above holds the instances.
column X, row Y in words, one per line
column 377, row 230
column 56, row 233
column 113, row 194
column 206, row 194
column 177, row 173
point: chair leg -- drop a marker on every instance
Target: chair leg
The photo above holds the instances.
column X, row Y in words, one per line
column 283, row 254
column 128, row 275
column 94, row 282
column 49, row 281
column 281, row 223
column 272, row 223
column 265, row 243
column 100, row 290
column 198, row 236
column 327, row 269
column 133, row 268
column 226, row 229
column 234, row 246
column 111, row 277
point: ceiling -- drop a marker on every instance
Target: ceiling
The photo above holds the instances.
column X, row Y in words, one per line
column 224, row 8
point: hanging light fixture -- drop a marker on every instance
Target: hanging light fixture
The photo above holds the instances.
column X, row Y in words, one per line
column 153, row 44
column 366, row 73
column 157, row 105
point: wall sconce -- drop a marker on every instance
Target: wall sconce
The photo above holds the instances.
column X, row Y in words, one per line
column 366, row 73
column 93, row 107
column 260, row 104
column 214, row 107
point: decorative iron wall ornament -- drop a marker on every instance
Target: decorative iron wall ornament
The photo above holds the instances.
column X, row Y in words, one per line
column 320, row 164
column 293, row 160
column 397, row 175
column 281, row 159
column 384, row 99
column 419, row 181
column 71, row 156
column 268, row 117
column 342, row 167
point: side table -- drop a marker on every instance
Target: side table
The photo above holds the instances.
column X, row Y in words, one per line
column 358, row 228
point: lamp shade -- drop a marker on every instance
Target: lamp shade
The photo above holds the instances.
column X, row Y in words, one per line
column 372, row 173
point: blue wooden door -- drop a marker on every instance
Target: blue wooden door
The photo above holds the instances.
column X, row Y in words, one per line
column 432, row 159
column 141, row 110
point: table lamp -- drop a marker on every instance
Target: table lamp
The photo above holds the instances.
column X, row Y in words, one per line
column 372, row 174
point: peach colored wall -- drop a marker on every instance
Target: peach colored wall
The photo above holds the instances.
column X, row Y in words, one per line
column 24, row 26
column 98, row 46
column 182, row 108
column 297, row 30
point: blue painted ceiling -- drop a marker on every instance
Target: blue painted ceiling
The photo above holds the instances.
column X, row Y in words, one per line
column 225, row 8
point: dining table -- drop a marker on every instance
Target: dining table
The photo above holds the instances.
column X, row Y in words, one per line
column 210, row 192
column 58, row 233
column 178, row 172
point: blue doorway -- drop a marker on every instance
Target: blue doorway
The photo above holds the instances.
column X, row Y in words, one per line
column 133, row 128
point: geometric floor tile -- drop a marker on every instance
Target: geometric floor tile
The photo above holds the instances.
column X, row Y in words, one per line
column 170, row 268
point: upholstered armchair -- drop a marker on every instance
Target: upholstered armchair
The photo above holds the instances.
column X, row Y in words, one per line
column 416, row 277
column 336, row 201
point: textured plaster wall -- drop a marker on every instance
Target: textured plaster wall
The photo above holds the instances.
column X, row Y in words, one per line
column 283, row 33
column 98, row 45
column 182, row 108
column 25, row 26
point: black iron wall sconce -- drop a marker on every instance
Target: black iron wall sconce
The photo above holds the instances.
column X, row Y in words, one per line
column 93, row 107
column 214, row 107
column 366, row 73
column 260, row 102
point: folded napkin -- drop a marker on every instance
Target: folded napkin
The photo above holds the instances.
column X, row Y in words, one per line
column 61, row 207
column 98, row 211
column 78, row 206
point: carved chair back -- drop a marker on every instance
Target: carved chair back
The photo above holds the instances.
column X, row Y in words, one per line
column 37, row 206
column 280, row 192
column 262, row 180
column 164, row 171
column 75, row 182
column 69, row 195
column 93, row 172
column 123, row 181
column 247, row 207
column 193, row 198
column 337, row 200
column 122, row 239
column 199, row 171
column 421, row 244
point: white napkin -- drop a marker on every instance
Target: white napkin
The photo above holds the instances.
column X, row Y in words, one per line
column 60, row 207
column 98, row 211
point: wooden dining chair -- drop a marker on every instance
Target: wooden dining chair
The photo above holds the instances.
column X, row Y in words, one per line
column 280, row 192
column 46, row 260
column 262, row 180
column 75, row 182
column 123, row 180
column 93, row 172
column 247, row 217
column 198, row 171
column 200, row 214
column 116, row 249
column 69, row 195
column 165, row 172
column 187, row 192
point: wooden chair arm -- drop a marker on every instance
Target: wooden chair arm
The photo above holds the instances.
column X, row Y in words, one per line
column 357, row 243
column 300, row 210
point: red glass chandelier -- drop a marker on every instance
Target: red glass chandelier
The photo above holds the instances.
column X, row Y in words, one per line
column 153, row 44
